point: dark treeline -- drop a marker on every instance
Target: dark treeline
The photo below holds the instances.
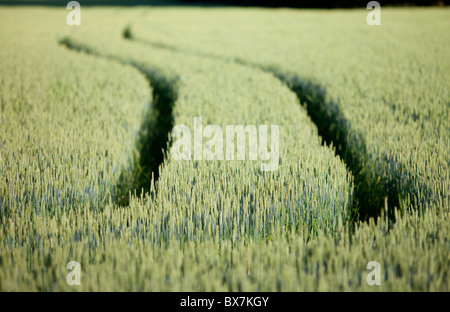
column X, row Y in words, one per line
column 326, row 4
column 320, row 3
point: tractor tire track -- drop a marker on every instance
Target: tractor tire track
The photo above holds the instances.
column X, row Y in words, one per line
column 372, row 192
column 152, row 142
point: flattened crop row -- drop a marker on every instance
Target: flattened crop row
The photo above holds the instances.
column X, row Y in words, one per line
column 380, row 94
column 197, row 199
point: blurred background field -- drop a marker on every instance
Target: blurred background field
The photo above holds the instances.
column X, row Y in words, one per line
column 325, row 4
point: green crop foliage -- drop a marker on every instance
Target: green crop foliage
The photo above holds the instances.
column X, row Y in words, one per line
column 379, row 93
column 67, row 126
column 310, row 189
column 86, row 114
